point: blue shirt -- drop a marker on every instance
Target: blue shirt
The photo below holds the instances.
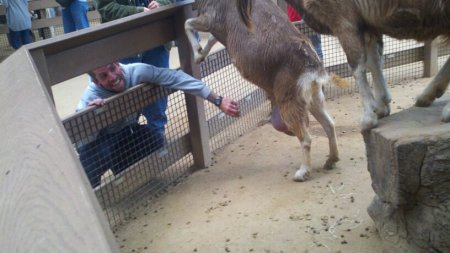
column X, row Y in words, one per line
column 17, row 15
column 137, row 73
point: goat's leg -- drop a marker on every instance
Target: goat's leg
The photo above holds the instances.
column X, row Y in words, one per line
column 317, row 109
column 211, row 42
column 192, row 25
column 375, row 64
column 353, row 45
column 435, row 89
column 295, row 117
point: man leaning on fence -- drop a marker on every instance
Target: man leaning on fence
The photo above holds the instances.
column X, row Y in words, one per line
column 158, row 56
column 127, row 141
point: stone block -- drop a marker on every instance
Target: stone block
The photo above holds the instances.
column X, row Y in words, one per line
column 408, row 158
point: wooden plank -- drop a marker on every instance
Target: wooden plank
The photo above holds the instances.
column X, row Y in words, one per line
column 84, row 124
column 430, row 62
column 41, row 64
column 42, row 4
column 195, row 107
column 88, row 52
column 46, row 202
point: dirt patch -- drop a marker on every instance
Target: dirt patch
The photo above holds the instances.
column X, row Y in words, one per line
column 248, row 202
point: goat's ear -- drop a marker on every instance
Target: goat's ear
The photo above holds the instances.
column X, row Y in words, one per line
column 245, row 11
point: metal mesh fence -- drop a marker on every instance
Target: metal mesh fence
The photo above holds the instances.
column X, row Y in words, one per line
column 41, row 33
column 126, row 164
column 218, row 72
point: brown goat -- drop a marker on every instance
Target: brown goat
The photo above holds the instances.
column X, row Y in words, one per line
column 359, row 25
column 275, row 57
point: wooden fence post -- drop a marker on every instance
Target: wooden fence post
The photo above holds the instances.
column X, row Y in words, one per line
column 430, row 61
column 199, row 133
column 46, row 201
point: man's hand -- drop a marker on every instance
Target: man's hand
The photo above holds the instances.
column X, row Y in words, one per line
column 96, row 102
column 153, row 5
column 230, row 107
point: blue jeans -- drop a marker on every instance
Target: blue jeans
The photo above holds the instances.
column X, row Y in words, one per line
column 317, row 43
column 118, row 151
column 75, row 16
column 154, row 113
column 19, row 38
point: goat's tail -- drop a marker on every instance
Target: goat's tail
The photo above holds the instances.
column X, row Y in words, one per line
column 339, row 81
column 245, row 10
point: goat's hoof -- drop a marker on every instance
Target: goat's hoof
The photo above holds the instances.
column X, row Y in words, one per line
column 301, row 175
column 424, row 100
column 383, row 111
column 331, row 162
column 369, row 121
column 386, row 99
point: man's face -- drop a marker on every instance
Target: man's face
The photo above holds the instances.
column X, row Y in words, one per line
column 110, row 77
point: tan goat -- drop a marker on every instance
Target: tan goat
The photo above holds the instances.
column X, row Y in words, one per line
column 275, row 57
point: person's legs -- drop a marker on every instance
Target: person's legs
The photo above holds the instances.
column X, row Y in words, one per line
column 68, row 22
column 158, row 57
column 79, row 10
column 136, row 142
column 96, row 158
column 25, row 37
column 156, row 112
column 317, row 43
column 132, row 59
column 14, row 38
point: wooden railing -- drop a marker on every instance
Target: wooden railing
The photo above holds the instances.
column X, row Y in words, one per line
column 40, row 6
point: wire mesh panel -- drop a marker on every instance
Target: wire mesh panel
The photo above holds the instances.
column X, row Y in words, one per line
column 218, row 72
column 124, row 158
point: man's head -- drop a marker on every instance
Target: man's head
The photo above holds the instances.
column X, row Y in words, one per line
column 109, row 77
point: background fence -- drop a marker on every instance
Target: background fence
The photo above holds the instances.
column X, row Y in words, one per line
column 46, row 22
column 135, row 187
